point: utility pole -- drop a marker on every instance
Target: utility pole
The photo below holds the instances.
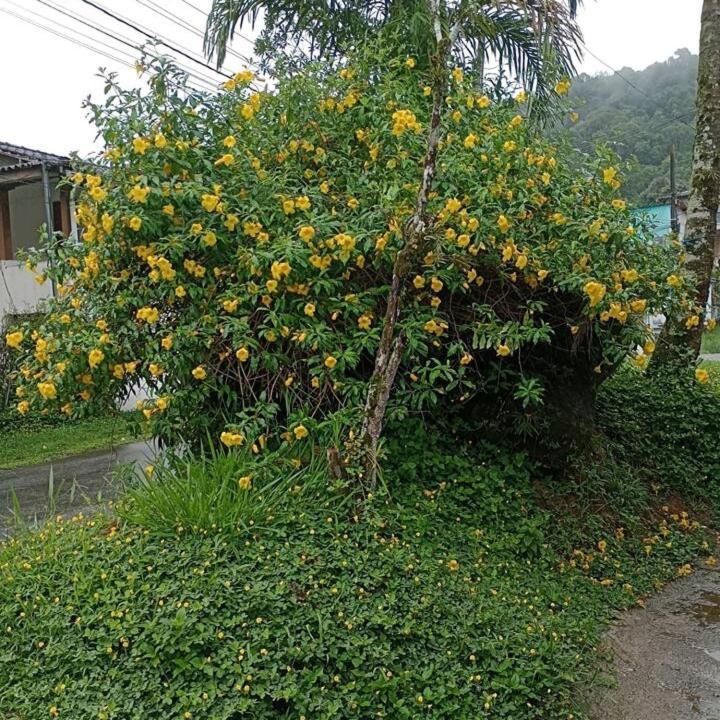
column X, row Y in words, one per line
column 674, row 224
column 47, row 194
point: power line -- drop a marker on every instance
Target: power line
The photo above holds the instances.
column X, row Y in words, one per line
column 204, row 14
column 674, row 118
column 66, row 37
column 156, row 38
column 204, row 79
column 71, row 39
column 154, row 7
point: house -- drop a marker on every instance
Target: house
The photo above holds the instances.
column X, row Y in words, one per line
column 29, row 198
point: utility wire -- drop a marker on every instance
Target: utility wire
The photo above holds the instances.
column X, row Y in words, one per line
column 71, row 39
column 66, row 37
column 156, row 38
column 124, row 40
column 204, row 14
column 674, row 118
column 154, row 7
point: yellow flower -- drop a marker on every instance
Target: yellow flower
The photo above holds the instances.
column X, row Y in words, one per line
column 410, row 63
column 330, row 362
column 230, row 306
column 227, row 159
column 629, row 275
column 419, row 281
column 306, row 233
column 160, row 141
column 302, row 203
column 169, row 210
column 484, row 101
column 503, row 350
column 436, row 284
column 229, row 141
column 503, row 223
column 139, row 194
column 453, row 565
column 180, row 291
column 674, row 281
column 300, row 432
column 135, row 223
column 638, row 306
column 232, row 439
column 23, row 406
column 209, row 202
column 209, row 238
column 457, row 74
column 466, row 359
column 563, row 87
column 47, row 390
column 245, row 482
column 595, row 291
column 14, row 339
column 95, row 357
column 155, row 369
column 364, row 322
column 453, row 205
column 167, row 342
column 140, row 145
column 288, row 207
column 309, row 309
column 280, row 270
column 242, row 354
column 609, row 175
column 199, row 373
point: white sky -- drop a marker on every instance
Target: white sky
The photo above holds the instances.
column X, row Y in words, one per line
column 44, row 78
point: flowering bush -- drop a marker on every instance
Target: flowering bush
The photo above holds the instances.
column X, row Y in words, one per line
column 237, row 250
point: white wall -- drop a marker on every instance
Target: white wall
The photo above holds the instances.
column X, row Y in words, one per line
column 19, row 293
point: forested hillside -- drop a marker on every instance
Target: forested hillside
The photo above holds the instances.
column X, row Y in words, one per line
column 639, row 124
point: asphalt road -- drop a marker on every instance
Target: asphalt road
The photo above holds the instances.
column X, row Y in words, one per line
column 77, row 483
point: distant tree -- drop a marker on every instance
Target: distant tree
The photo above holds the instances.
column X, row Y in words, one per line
column 640, row 124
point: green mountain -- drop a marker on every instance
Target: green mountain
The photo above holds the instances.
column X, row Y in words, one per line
column 639, row 123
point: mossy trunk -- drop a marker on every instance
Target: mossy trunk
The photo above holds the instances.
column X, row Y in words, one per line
column 701, row 228
column 417, row 238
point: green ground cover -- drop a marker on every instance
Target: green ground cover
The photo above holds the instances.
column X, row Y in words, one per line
column 460, row 590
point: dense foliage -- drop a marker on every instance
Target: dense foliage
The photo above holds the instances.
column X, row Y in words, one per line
column 640, row 124
column 237, row 250
column 448, row 600
column 671, row 422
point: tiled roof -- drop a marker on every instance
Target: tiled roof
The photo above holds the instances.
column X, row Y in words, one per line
column 28, row 157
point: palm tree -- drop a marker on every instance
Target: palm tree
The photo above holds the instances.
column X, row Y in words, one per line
column 533, row 41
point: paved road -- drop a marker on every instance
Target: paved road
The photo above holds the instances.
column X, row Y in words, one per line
column 77, row 482
column 667, row 656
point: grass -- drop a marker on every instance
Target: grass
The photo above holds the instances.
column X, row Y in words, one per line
column 31, row 446
column 454, row 594
column 711, row 342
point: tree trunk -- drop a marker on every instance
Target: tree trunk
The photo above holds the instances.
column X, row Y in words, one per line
column 701, row 227
column 416, row 239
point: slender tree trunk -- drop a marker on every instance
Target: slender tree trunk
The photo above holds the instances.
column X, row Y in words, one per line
column 417, row 238
column 701, row 228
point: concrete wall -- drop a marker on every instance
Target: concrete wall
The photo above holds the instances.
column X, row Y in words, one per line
column 27, row 214
column 19, row 293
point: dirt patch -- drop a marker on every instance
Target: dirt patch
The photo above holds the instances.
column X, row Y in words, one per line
column 667, row 656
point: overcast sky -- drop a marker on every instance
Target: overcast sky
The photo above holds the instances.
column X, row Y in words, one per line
column 44, row 78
